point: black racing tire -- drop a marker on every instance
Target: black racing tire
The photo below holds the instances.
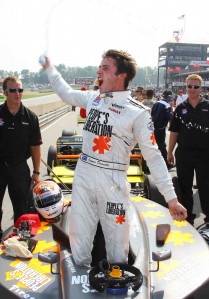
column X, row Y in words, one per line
column 152, row 191
column 145, row 168
column 52, row 157
column 66, row 132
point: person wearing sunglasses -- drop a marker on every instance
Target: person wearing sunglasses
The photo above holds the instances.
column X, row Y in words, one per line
column 189, row 130
column 20, row 139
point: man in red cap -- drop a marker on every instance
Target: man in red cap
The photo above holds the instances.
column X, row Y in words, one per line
column 83, row 87
column 82, row 110
column 181, row 97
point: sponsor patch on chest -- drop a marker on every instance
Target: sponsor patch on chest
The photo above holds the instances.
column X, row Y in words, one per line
column 96, row 101
column 1, row 122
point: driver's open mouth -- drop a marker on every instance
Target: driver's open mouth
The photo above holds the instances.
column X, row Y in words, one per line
column 100, row 81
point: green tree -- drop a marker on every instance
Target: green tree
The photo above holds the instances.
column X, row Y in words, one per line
column 146, row 76
column 25, row 74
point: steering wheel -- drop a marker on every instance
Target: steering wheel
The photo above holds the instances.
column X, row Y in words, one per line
column 105, row 280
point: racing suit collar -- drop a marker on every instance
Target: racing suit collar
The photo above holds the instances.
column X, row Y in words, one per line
column 115, row 94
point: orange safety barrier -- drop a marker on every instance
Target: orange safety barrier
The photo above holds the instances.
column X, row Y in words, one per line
column 135, row 156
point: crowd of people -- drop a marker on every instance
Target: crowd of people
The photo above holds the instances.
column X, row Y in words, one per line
column 116, row 119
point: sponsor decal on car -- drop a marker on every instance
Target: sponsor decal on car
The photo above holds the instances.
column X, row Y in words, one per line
column 83, row 280
column 28, row 277
column 68, row 260
column 31, row 275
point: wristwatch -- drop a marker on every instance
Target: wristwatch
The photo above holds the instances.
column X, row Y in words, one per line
column 36, row 172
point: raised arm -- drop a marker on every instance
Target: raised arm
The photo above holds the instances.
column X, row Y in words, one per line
column 62, row 88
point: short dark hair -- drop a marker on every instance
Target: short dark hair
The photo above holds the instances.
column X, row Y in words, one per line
column 139, row 89
column 150, row 93
column 166, row 93
column 11, row 78
column 125, row 63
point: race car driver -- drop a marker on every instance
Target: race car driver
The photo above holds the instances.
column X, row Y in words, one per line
column 114, row 124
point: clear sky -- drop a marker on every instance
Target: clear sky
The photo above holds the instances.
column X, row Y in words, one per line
column 77, row 32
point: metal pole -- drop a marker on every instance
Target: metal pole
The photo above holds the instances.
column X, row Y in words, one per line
column 54, row 174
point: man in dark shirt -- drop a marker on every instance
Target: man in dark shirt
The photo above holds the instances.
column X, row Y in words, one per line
column 20, row 139
column 161, row 114
column 206, row 96
column 189, row 128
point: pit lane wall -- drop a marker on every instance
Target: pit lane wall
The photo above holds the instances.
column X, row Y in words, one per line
column 49, row 111
column 44, row 108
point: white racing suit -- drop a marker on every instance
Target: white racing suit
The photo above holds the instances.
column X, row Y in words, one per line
column 114, row 124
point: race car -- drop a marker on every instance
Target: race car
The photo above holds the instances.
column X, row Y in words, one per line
column 167, row 259
column 63, row 157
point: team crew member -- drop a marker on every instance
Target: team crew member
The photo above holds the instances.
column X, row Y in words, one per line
column 161, row 115
column 20, row 139
column 190, row 130
column 114, row 124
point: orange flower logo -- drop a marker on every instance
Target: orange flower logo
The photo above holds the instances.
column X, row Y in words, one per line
column 101, row 144
column 152, row 138
column 120, row 219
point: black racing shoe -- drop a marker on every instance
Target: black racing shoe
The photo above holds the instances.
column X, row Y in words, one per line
column 207, row 224
column 206, row 220
column 203, row 229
